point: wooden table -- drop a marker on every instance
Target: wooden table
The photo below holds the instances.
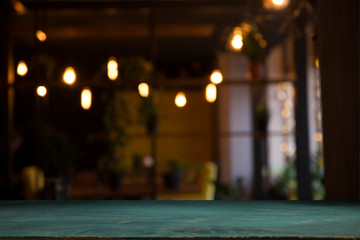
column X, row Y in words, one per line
column 48, row 220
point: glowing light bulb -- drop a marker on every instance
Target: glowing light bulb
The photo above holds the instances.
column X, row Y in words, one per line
column 288, row 104
column 19, row 7
column 275, row 4
column 86, row 98
column 143, row 89
column 285, row 129
column 180, row 99
column 317, row 65
column 40, row 35
column 216, row 77
column 318, row 137
column 285, row 113
column 112, row 69
column 318, row 116
column 281, row 96
column 22, row 68
column 278, row 2
column 210, row 92
column 284, row 147
column 237, row 42
column 69, row 76
column 41, row 91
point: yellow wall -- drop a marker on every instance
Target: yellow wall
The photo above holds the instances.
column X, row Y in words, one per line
column 184, row 133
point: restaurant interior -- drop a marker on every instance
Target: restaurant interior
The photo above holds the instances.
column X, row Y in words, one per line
column 178, row 100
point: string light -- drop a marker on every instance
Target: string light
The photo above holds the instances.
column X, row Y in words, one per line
column 112, row 69
column 41, row 91
column 237, row 42
column 281, row 96
column 216, row 77
column 275, row 4
column 318, row 137
column 69, row 76
column 210, row 92
column 86, row 97
column 180, row 99
column 285, row 113
column 22, row 68
column 143, row 89
column 237, row 39
column 41, row 35
column 284, row 147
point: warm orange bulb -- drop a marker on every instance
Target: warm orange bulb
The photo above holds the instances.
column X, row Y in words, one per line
column 112, row 69
column 143, row 89
column 210, row 93
column 69, row 76
column 216, row 77
column 180, row 99
column 41, row 91
column 22, row 68
column 86, row 97
column 40, row 35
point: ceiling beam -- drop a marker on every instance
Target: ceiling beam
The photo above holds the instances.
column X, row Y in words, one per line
column 98, row 4
column 120, row 31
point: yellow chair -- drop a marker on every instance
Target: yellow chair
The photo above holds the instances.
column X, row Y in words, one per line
column 33, row 180
column 208, row 176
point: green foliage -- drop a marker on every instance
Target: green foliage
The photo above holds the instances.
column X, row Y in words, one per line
column 175, row 165
column 148, row 115
column 254, row 44
column 286, row 182
column 59, row 153
column 317, row 169
column 235, row 191
column 134, row 69
column 116, row 121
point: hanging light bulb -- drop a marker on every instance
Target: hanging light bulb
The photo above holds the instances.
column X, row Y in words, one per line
column 278, row 2
column 210, row 92
column 236, row 39
column 86, row 98
column 112, row 69
column 69, row 76
column 143, row 89
column 275, row 4
column 22, row 68
column 180, row 99
column 216, row 77
column 41, row 91
column 40, row 35
column 237, row 42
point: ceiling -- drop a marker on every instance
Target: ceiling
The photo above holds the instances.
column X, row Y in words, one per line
column 175, row 34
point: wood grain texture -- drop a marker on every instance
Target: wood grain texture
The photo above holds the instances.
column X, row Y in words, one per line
column 339, row 68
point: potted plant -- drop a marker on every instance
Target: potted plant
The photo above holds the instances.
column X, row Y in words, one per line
column 255, row 49
column 174, row 175
column 59, row 155
column 116, row 120
column 148, row 115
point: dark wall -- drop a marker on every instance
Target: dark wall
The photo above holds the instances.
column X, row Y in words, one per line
column 339, row 66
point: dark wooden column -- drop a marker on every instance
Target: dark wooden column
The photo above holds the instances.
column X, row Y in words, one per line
column 339, row 70
column 7, row 76
column 301, row 116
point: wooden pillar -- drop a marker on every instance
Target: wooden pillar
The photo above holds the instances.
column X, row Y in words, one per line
column 301, row 116
column 7, row 77
column 339, row 70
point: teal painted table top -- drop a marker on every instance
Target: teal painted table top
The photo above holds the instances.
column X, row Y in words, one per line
column 159, row 219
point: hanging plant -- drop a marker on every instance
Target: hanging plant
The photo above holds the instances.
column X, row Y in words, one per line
column 254, row 44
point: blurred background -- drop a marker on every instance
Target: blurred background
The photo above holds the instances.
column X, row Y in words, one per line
column 157, row 99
